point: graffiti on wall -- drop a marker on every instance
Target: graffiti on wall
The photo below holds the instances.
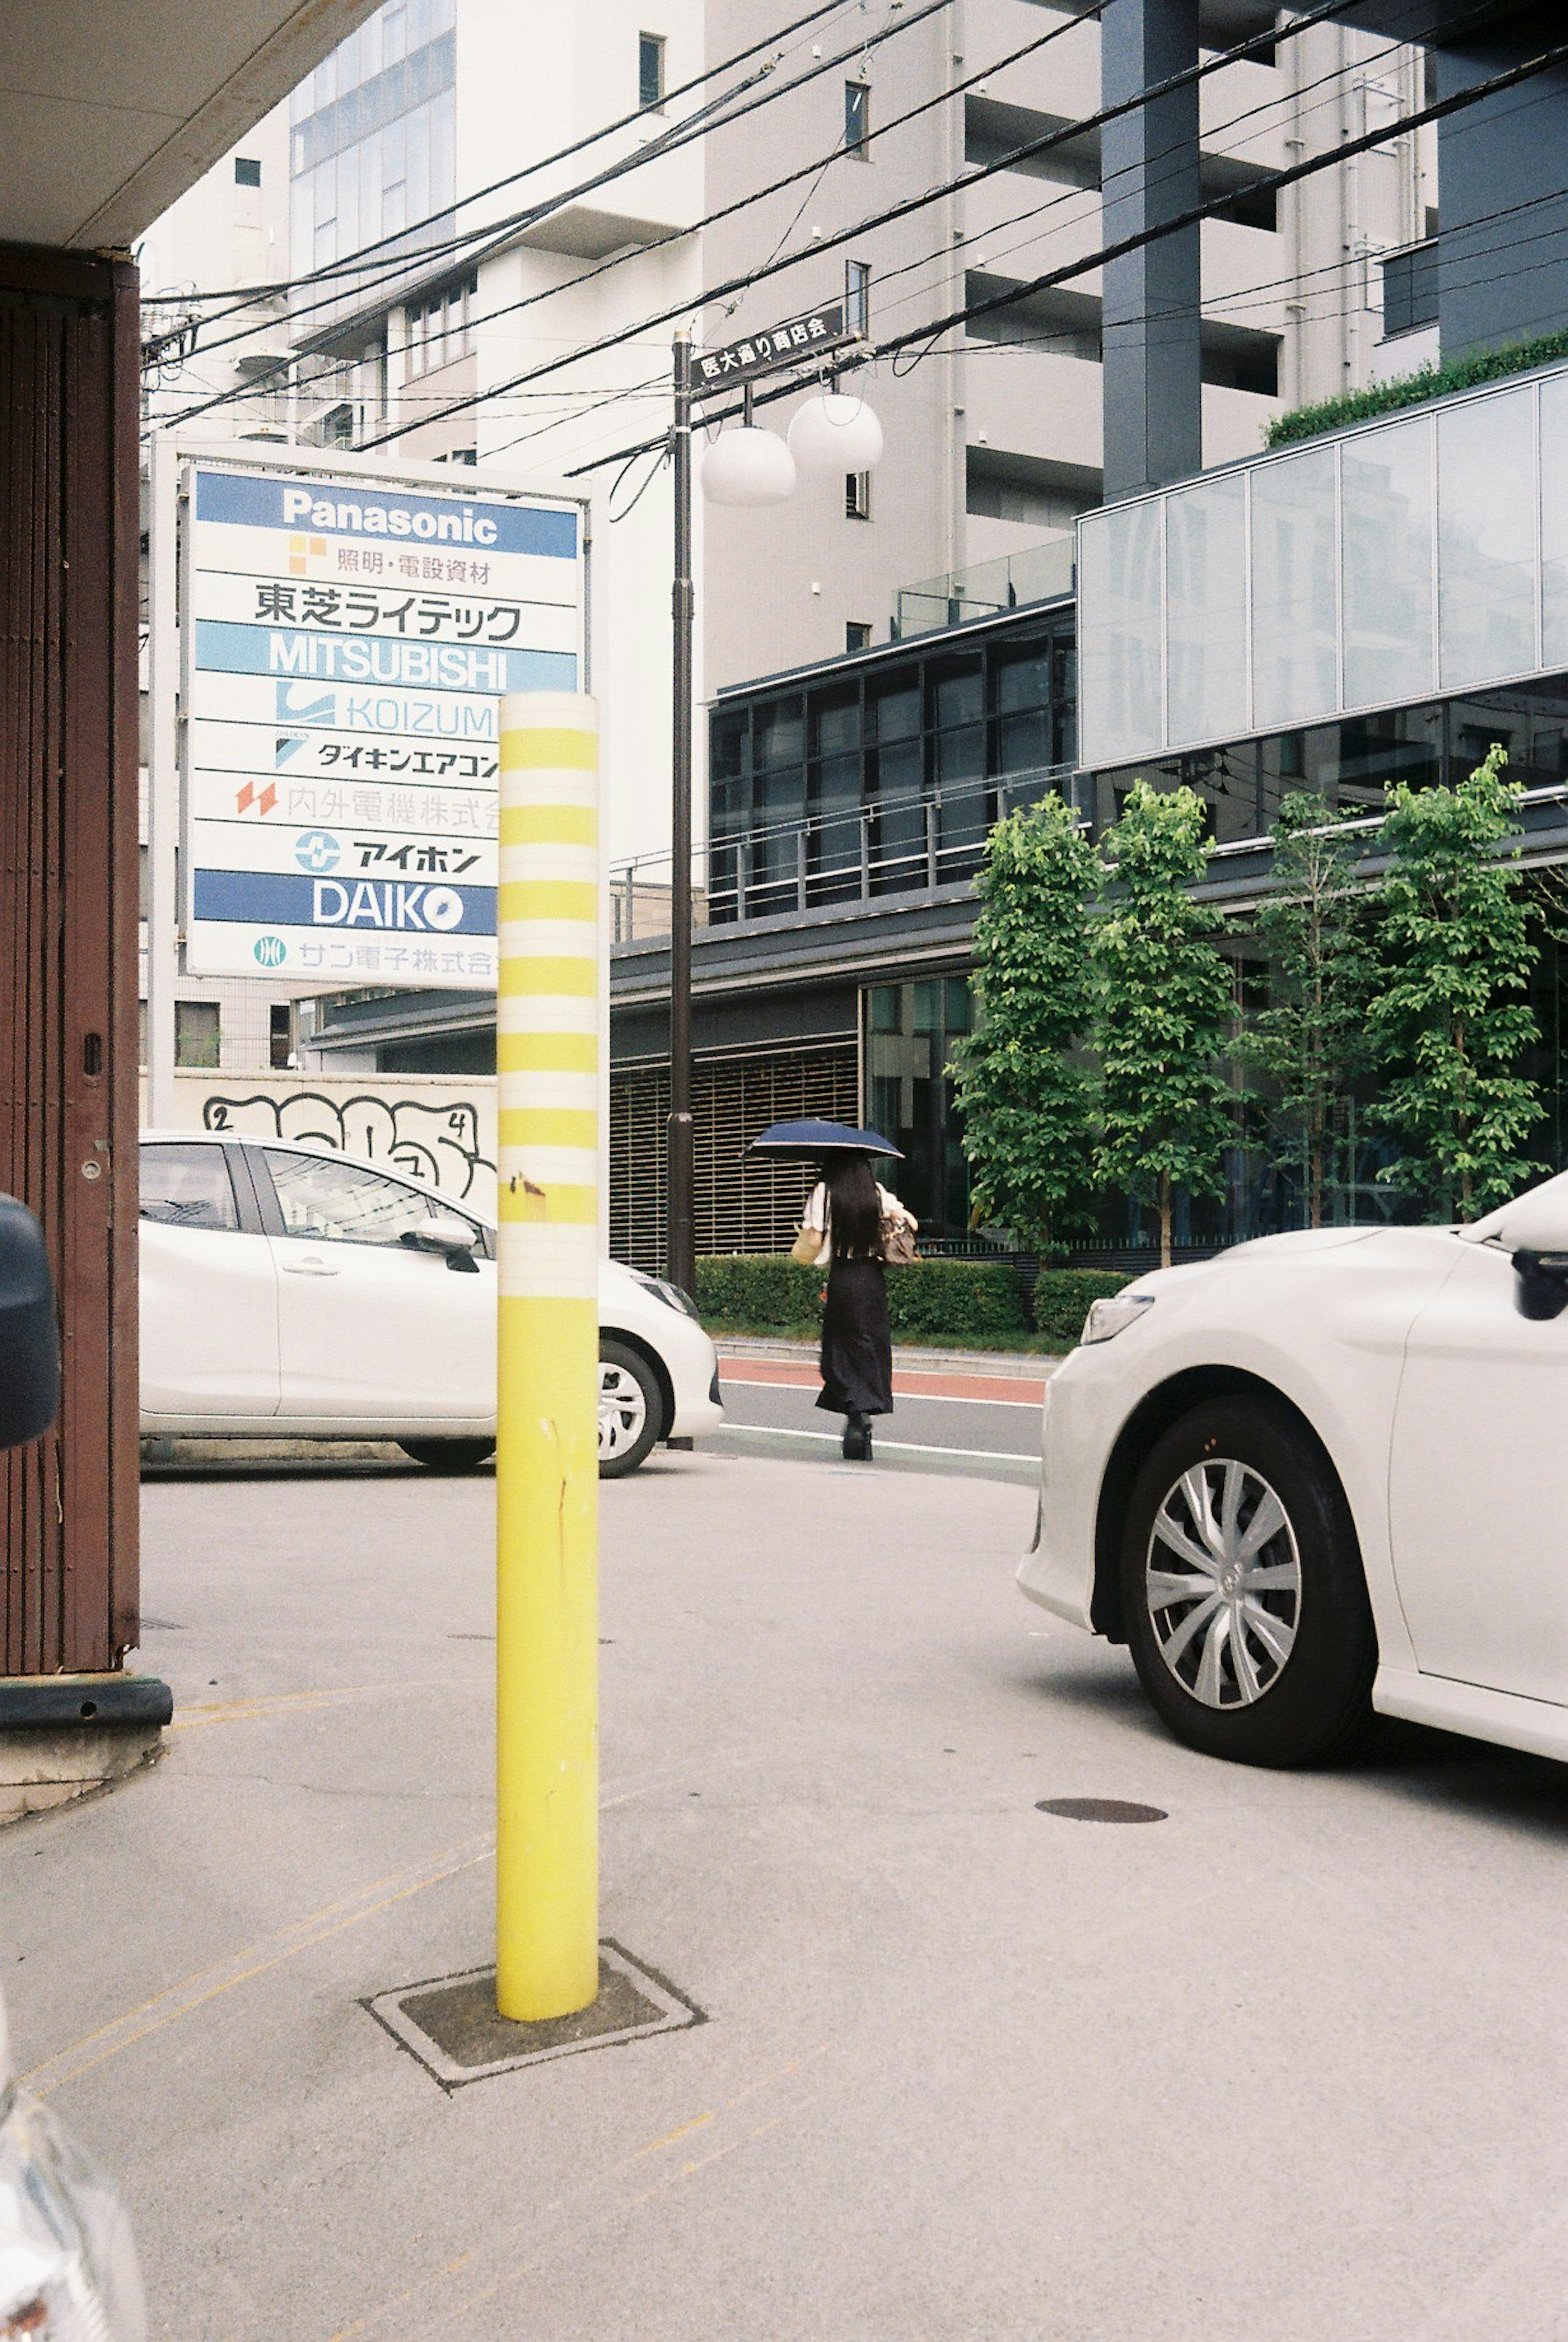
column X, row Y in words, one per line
column 441, row 1143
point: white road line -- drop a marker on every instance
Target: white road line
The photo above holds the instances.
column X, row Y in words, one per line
column 893, row 1446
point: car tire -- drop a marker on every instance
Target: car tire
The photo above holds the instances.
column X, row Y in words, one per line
column 449, row 1455
column 1270, row 1659
column 631, row 1409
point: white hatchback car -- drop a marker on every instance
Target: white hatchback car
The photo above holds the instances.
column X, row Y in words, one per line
column 291, row 1290
column 1325, row 1473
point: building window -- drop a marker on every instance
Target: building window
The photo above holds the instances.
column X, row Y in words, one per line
column 857, row 635
column 650, row 70
column 857, row 496
column 279, row 1035
column 247, row 170
column 857, row 119
column 440, row 328
column 857, row 297
column 910, row 1030
column 196, row 1034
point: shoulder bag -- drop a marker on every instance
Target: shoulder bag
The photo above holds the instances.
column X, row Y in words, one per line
column 898, row 1248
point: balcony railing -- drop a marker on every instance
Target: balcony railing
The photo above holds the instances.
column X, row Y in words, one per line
column 1038, row 573
column 909, row 847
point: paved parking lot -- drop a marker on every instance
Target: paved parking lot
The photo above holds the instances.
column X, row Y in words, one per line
column 1290, row 2062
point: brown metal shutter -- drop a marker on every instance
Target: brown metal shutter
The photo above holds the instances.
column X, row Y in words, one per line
column 68, row 878
column 741, row 1206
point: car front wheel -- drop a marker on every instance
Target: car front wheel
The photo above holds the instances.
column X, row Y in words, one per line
column 631, row 1411
column 1243, row 1593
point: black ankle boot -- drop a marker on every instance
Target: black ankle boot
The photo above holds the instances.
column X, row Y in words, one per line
column 858, row 1439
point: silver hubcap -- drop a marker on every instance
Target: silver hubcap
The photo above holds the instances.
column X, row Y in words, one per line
column 622, row 1410
column 1223, row 1581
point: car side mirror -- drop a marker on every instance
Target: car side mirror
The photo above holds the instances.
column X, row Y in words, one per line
column 29, row 1336
column 1541, row 1283
column 445, row 1232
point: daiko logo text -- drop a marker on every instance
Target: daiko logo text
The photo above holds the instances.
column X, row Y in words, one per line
column 387, row 904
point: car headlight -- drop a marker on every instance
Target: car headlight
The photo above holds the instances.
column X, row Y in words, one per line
column 1112, row 1315
column 67, row 2267
column 672, row 1296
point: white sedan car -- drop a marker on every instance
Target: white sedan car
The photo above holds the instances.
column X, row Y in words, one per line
column 1326, row 1473
column 290, row 1291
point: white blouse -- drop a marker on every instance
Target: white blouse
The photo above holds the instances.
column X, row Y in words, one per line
column 819, row 1216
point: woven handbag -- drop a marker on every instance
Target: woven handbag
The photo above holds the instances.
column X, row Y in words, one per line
column 898, row 1248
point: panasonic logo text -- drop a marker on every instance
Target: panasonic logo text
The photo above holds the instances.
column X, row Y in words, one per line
column 301, row 509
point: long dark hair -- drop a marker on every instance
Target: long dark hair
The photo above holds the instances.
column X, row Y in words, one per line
column 854, row 1207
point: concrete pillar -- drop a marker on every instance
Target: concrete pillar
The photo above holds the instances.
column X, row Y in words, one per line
column 1149, row 173
column 1502, row 193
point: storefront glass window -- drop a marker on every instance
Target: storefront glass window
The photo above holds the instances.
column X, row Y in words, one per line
column 910, row 1031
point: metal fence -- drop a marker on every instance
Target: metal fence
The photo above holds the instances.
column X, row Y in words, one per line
column 903, row 847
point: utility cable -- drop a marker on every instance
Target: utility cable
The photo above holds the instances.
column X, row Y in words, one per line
column 246, row 293
column 1186, row 79
column 479, row 242
column 725, row 211
column 1509, row 78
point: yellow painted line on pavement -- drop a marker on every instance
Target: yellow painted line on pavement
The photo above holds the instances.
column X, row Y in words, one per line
column 608, row 2178
column 268, row 1952
column 208, row 1984
column 686, row 2130
column 286, row 1703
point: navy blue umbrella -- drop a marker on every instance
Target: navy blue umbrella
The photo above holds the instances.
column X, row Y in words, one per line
column 799, row 1142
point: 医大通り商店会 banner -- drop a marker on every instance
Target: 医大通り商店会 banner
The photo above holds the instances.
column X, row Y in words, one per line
column 346, row 644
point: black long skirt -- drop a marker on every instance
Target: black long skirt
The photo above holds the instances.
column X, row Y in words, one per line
column 856, row 1347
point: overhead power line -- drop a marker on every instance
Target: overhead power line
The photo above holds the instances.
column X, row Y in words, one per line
column 247, row 293
column 742, row 203
column 933, row 330
column 910, row 204
column 478, row 243
column 1509, row 78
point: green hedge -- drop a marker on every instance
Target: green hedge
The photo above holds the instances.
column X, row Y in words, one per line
column 1413, row 389
column 1062, row 1297
column 970, row 1302
column 974, row 1303
column 764, row 1293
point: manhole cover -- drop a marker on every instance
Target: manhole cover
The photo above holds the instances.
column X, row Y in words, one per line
column 1100, row 1809
column 452, row 2026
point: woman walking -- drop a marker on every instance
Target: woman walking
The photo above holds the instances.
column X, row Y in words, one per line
column 847, row 1209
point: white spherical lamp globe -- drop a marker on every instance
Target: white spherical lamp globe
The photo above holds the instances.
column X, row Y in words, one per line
column 747, row 467
column 834, row 433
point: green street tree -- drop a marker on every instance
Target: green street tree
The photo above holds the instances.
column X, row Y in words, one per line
column 1454, row 1016
column 1311, row 1039
column 1025, row 1091
column 1166, row 1112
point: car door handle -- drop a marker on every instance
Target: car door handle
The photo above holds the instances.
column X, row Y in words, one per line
column 313, row 1264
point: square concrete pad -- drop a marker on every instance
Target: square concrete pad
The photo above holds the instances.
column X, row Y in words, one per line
column 454, row 2028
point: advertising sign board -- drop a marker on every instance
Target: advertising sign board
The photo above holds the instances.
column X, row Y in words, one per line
column 345, row 645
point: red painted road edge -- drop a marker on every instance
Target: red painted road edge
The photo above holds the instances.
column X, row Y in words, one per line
column 1021, row 1390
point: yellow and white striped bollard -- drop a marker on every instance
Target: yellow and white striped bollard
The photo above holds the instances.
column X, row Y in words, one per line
column 547, row 1463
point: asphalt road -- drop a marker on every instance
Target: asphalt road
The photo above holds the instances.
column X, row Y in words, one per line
column 977, row 1424
column 1289, row 2062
